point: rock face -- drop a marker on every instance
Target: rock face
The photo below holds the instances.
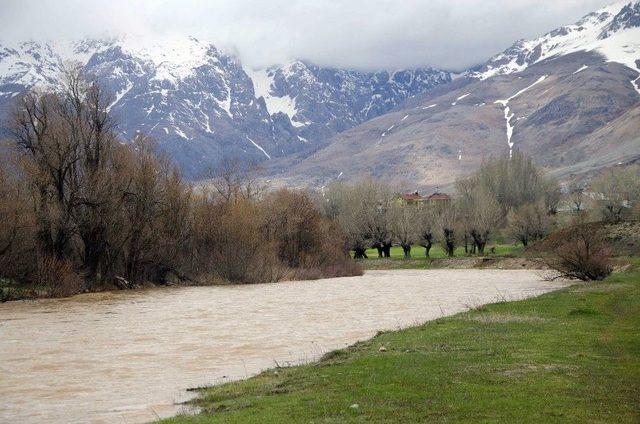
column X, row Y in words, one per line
column 201, row 104
column 570, row 98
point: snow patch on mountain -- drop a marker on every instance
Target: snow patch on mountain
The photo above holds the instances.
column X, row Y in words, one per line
column 120, row 94
column 508, row 115
column 582, row 68
column 259, row 148
column 613, row 31
column 636, row 84
column 263, row 80
column 460, row 98
column 388, row 130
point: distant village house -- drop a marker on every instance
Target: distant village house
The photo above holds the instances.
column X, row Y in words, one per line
column 416, row 198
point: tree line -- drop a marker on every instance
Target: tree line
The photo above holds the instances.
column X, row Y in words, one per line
column 505, row 192
column 81, row 209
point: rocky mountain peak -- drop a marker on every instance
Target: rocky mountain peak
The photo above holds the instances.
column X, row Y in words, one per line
column 604, row 31
column 628, row 17
column 202, row 105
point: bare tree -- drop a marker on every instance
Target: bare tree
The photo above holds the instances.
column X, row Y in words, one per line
column 617, row 190
column 529, row 223
column 362, row 209
column 552, row 195
column 53, row 155
column 237, row 180
column 426, row 223
column 17, row 221
column 514, row 181
column 576, row 198
column 404, row 226
column 448, row 224
column 485, row 219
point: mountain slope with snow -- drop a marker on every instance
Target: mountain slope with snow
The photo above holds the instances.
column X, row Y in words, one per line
column 202, row 105
column 570, row 99
column 613, row 32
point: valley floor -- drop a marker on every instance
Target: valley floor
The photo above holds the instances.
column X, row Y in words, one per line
column 567, row 356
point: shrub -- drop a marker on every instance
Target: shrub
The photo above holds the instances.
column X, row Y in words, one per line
column 583, row 255
column 308, row 243
column 57, row 277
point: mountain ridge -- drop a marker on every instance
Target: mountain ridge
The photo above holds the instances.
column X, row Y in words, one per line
column 203, row 106
column 573, row 107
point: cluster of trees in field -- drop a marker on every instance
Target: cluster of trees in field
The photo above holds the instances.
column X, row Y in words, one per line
column 509, row 194
column 508, row 197
column 80, row 209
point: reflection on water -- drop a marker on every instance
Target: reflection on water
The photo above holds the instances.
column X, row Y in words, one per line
column 129, row 356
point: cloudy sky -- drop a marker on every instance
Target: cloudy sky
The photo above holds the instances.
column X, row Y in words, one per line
column 365, row 34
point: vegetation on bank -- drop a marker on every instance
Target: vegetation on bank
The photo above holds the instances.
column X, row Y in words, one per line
column 508, row 202
column 81, row 210
column 567, row 356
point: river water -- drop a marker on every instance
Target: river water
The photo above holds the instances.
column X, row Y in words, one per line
column 130, row 356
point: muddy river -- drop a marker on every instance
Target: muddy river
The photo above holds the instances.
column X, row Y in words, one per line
column 130, row 356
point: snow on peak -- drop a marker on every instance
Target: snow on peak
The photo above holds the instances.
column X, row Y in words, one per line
column 174, row 58
column 40, row 63
column 263, row 80
column 613, row 31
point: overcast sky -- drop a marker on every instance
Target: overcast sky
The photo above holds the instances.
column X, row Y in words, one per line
column 365, row 34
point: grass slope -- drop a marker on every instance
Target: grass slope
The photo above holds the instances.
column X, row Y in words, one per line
column 568, row 356
column 439, row 259
column 437, row 252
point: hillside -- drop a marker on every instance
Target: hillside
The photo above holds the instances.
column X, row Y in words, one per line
column 202, row 105
column 570, row 98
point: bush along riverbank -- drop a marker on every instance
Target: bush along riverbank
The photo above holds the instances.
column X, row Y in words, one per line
column 567, row 356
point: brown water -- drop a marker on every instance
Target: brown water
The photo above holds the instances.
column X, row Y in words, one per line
column 129, row 356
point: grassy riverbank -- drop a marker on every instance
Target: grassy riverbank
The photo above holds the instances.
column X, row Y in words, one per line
column 506, row 256
column 568, row 356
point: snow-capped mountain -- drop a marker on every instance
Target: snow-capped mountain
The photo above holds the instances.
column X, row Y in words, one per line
column 203, row 106
column 570, row 99
column 613, row 32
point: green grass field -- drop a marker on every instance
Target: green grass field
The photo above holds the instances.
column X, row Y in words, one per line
column 417, row 252
column 569, row 356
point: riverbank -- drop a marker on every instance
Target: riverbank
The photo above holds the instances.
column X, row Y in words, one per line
column 11, row 290
column 499, row 256
column 566, row 356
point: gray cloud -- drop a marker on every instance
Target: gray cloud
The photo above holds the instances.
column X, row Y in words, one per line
column 365, row 34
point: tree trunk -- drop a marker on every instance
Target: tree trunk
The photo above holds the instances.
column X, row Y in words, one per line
column 450, row 243
column 360, row 253
column 406, row 248
column 450, row 249
column 380, row 250
column 387, row 249
column 427, row 249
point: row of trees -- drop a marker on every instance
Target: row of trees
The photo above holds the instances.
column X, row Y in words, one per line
column 80, row 209
column 506, row 196
column 507, row 193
